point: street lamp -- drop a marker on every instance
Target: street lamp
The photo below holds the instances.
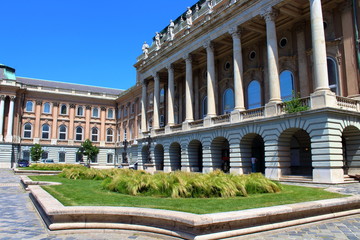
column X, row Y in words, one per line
column 124, row 154
column 149, row 140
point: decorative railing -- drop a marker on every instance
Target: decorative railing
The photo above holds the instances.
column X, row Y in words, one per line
column 221, row 119
column 348, row 103
column 304, row 102
column 160, row 131
column 176, row 128
column 253, row 113
column 197, row 123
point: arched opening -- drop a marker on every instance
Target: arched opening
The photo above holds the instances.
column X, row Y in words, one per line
column 228, row 101
column 333, row 75
column 220, row 154
column 252, row 150
column 286, row 85
column 145, row 154
column 254, row 95
column 195, row 154
column 159, row 157
column 295, row 152
column 351, row 150
column 175, row 156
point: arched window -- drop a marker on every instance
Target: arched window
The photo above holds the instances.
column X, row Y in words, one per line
column 46, row 108
column 254, row 95
column 204, row 107
column 29, row 106
column 80, row 111
column 110, row 113
column 62, row 132
column 109, row 135
column 45, row 133
column 63, row 109
column 286, row 85
column 27, row 130
column 94, row 134
column 95, row 112
column 228, row 101
column 79, row 134
column 333, row 75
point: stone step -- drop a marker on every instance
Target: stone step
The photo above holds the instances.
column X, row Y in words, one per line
column 295, row 178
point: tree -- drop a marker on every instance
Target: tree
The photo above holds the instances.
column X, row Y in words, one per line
column 36, row 152
column 89, row 150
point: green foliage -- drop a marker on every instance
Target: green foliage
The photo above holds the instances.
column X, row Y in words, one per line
column 36, row 152
column 89, row 150
column 53, row 167
column 295, row 105
column 177, row 184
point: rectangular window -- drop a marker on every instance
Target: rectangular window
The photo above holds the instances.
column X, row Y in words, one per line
column 79, row 157
column 94, row 159
column 26, row 155
column 44, row 155
column 110, row 158
column 61, row 157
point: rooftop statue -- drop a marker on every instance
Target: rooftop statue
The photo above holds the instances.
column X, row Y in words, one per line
column 157, row 41
column 189, row 17
column 145, row 49
column 210, row 5
column 171, row 31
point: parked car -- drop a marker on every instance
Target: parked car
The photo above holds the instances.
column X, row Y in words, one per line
column 23, row 163
column 134, row 166
column 47, row 161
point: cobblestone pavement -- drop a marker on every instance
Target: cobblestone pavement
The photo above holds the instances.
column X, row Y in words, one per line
column 19, row 220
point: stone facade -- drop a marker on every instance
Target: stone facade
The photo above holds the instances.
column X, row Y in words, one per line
column 211, row 96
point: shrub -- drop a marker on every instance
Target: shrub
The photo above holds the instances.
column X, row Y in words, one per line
column 54, row 167
column 295, row 105
column 177, row 184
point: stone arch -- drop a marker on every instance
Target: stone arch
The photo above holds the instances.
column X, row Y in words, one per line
column 159, row 157
column 195, row 155
column 252, row 145
column 145, row 154
column 220, row 154
column 351, row 150
column 175, row 156
column 294, row 152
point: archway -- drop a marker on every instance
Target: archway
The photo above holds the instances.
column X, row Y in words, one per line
column 195, row 155
column 294, row 152
column 220, row 154
column 145, row 154
column 175, row 156
column 159, row 157
column 252, row 146
column 351, row 150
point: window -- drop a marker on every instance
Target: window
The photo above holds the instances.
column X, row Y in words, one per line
column 162, row 121
column 133, row 108
column 29, row 106
column 27, row 130
column 151, row 99
column 63, row 109
column 61, row 157
column 119, row 113
column 286, row 85
column 62, row 132
column 79, row 157
column 46, row 108
column 45, row 133
column 94, row 159
column 26, row 155
column 254, row 95
column 109, row 135
column 333, row 75
column 228, row 101
column 95, row 112
column 162, row 95
column 125, row 134
column 94, row 134
column 118, row 135
column 45, row 155
column 79, row 134
column 110, row 113
column 204, row 106
column 125, row 111
column 110, row 158
column 80, row 111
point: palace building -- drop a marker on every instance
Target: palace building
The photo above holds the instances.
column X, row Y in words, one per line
column 236, row 85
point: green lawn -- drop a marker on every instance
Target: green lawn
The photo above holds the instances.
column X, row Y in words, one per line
column 90, row 193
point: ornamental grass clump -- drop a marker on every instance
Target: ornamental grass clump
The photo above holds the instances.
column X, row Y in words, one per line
column 53, row 167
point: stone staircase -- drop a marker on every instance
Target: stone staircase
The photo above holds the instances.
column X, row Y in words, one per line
column 351, row 179
column 296, row 178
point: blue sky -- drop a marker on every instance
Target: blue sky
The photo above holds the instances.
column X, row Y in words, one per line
column 81, row 41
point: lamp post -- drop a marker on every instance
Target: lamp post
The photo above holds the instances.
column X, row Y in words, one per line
column 124, row 154
column 149, row 140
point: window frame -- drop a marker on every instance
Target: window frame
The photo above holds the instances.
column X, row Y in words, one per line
column 61, row 109
column 224, row 101
column 110, row 135
column 45, row 132
column 248, row 95
column 93, row 135
column 62, row 152
column 92, row 112
column 61, row 133
column 82, row 133
column 27, row 130
column 110, row 110
column 77, row 111
column 32, row 106
column 44, row 105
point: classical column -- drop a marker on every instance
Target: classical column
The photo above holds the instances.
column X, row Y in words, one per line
column 210, row 79
column 238, row 69
column 10, row 123
column 37, row 126
column 143, row 108
column 170, row 95
column 87, row 121
column 72, row 122
column 2, row 110
column 55, row 112
column 189, row 95
column 156, row 101
column 319, row 47
column 103, row 126
column 272, row 53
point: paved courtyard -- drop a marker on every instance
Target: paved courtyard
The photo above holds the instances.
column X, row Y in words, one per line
column 19, row 220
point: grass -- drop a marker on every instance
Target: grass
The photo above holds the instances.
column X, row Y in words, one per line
column 90, row 193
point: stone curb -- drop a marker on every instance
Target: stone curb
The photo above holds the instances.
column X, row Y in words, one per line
column 35, row 172
column 187, row 225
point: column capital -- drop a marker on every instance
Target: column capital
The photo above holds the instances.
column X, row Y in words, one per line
column 155, row 75
column 170, row 67
column 88, row 107
column 72, row 105
column 235, row 32
column 38, row 102
column 187, row 57
column 300, row 27
column 103, row 108
column 55, row 104
column 208, row 45
column 269, row 14
column 12, row 98
column 2, row 97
